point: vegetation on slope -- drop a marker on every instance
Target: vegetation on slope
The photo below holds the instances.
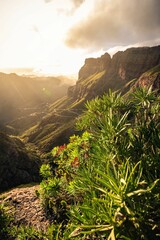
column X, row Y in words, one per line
column 105, row 184
column 126, row 73
column 57, row 126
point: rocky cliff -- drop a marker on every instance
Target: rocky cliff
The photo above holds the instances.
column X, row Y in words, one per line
column 151, row 77
column 94, row 65
column 137, row 65
column 100, row 74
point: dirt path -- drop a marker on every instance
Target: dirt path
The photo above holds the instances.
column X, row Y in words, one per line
column 25, row 207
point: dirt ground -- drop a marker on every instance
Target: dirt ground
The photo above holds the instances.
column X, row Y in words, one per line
column 25, row 207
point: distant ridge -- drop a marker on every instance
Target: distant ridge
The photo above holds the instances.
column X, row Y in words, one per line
column 24, row 99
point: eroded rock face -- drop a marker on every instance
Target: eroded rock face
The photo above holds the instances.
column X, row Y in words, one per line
column 150, row 78
column 16, row 165
column 123, row 67
column 135, row 61
column 94, row 65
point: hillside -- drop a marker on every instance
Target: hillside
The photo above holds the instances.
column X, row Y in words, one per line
column 24, row 99
column 18, row 165
column 97, row 76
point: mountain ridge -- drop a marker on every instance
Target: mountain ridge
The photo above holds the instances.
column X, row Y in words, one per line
column 123, row 67
column 95, row 78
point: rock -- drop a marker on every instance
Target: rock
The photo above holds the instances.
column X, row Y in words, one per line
column 26, row 208
column 150, row 78
column 135, row 61
column 99, row 74
column 17, row 166
column 94, row 65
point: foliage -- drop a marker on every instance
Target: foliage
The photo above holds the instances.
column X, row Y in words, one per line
column 9, row 232
column 26, row 233
column 106, row 182
column 57, row 175
column 4, row 223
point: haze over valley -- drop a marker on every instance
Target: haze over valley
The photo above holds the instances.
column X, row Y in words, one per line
column 24, row 100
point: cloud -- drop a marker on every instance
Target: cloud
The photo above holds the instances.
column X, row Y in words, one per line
column 114, row 22
column 74, row 5
column 77, row 3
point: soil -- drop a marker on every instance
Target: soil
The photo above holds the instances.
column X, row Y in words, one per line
column 25, row 207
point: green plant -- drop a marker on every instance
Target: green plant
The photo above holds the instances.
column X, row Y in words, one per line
column 29, row 233
column 55, row 188
column 4, row 223
column 123, row 184
column 109, row 177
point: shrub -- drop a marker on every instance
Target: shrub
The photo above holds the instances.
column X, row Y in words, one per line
column 109, row 177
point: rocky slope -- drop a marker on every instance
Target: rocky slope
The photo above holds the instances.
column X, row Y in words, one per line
column 17, row 164
column 96, row 77
column 25, row 208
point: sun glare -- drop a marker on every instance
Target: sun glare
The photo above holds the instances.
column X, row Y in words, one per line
column 56, row 37
column 36, row 38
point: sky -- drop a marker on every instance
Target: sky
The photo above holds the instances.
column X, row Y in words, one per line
column 54, row 37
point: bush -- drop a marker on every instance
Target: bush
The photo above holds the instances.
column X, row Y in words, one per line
column 109, row 177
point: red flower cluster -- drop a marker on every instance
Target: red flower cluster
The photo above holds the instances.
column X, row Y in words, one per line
column 60, row 149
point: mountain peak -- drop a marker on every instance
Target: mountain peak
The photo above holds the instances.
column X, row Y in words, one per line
column 93, row 65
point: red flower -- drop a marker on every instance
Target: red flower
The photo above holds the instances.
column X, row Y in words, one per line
column 60, row 149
